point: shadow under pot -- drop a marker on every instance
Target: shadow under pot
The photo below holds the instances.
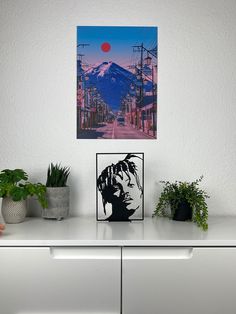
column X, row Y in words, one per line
column 58, row 199
column 183, row 212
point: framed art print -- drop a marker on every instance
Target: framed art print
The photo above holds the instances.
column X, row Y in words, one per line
column 120, row 186
column 117, row 82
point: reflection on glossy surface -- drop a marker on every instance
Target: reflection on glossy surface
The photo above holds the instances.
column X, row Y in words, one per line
column 76, row 231
column 118, row 230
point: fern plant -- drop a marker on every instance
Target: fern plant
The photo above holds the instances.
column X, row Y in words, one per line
column 174, row 194
column 57, row 175
column 14, row 184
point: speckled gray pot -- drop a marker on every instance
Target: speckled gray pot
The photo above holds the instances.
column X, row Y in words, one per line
column 58, row 203
column 13, row 212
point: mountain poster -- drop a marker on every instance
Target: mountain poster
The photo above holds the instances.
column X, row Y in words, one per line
column 117, row 77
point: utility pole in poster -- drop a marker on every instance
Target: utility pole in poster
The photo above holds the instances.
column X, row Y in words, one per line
column 140, row 49
column 80, row 89
column 140, row 77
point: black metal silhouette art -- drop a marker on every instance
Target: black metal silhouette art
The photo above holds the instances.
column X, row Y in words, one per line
column 119, row 185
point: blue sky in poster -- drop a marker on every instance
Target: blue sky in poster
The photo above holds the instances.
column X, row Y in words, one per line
column 121, row 40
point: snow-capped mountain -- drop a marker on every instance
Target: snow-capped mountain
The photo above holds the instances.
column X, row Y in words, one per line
column 112, row 82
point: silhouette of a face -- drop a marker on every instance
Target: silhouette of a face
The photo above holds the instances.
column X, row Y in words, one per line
column 120, row 187
column 129, row 194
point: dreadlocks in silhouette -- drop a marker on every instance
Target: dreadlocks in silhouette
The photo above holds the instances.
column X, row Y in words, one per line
column 115, row 184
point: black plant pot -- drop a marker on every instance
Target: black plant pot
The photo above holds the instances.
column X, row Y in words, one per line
column 183, row 212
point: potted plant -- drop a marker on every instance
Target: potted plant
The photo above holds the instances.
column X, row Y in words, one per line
column 186, row 202
column 57, row 192
column 15, row 189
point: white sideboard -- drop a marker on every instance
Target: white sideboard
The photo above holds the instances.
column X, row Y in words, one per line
column 179, row 280
column 43, row 280
column 79, row 266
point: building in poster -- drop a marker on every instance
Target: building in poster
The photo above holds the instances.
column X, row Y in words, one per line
column 116, row 82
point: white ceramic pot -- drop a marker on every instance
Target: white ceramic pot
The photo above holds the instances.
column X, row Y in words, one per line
column 58, row 199
column 13, row 212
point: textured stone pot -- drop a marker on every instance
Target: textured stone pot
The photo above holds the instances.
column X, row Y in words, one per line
column 13, row 212
column 58, row 199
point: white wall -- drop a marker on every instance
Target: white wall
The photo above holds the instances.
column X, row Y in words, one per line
column 197, row 96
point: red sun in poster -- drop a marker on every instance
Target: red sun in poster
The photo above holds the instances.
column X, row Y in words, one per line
column 106, row 47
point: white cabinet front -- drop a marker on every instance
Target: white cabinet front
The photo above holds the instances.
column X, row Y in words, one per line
column 60, row 280
column 179, row 280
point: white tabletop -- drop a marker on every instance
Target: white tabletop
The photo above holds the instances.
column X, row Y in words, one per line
column 81, row 231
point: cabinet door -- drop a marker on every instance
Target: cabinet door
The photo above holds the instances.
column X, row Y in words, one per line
column 179, row 280
column 60, row 280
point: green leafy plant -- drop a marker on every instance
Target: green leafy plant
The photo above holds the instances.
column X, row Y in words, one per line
column 57, row 175
column 14, row 184
column 174, row 194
